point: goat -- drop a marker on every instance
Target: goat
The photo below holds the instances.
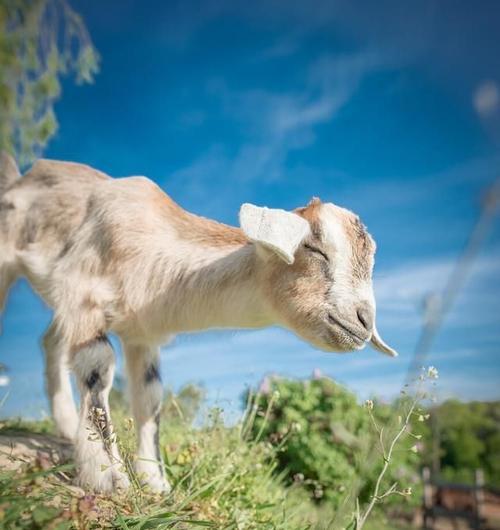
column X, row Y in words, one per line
column 119, row 255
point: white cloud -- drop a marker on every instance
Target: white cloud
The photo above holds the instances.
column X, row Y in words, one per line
column 272, row 124
column 401, row 193
column 284, row 46
column 401, row 292
column 486, row 98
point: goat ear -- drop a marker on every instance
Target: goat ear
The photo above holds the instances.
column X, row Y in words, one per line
column 277, row 230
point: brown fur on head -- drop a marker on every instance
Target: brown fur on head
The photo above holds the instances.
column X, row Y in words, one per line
column 326, row 294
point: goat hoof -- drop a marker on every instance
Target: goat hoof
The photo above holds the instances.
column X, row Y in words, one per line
column 121, row 481
column 151, row 477
column 158, row 485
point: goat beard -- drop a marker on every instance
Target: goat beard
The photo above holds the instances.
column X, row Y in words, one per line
column 380, row 345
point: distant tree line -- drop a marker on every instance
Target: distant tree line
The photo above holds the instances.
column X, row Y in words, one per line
column 466, row 436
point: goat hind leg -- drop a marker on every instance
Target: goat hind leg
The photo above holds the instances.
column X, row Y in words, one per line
column 98, row 462
column 7, row 278
column 59, row 384
column 146, row 393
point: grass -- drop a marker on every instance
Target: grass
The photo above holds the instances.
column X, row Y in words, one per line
column 221, row 479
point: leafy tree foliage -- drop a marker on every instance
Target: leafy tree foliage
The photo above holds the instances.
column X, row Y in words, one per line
column 468, row 436
column 40, row 41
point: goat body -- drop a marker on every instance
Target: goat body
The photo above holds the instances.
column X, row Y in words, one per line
column 118, row 255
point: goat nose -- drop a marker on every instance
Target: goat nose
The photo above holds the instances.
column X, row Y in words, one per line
column 365, row 316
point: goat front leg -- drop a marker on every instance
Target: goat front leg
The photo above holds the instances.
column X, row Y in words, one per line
column 146, row 394
column 98, row 462
column 58, row 384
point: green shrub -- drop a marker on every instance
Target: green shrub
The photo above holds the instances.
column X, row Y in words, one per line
column 326, row 438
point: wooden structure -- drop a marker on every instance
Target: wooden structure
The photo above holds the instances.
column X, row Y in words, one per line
column 453, row 501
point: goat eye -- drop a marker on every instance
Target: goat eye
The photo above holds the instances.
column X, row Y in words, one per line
column 317, row 251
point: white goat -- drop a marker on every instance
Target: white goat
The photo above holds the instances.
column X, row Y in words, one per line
column 118, row 255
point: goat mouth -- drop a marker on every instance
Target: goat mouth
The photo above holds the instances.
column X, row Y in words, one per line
column 355, row 337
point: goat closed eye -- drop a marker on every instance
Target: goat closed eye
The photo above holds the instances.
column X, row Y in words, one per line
column 316, row 250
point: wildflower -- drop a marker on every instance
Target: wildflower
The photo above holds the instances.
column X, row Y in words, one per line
column 369, row 404
column 184, row 457
column 432, row 372
column 265, row 386
column 414, row 449
column 317, row 374
column 298, row 477
column 407, row 491
column 296, row 427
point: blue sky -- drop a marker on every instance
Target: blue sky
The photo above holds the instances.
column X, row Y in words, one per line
column 387, row 108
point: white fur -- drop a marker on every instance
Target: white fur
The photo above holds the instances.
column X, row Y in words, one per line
column 341, row 246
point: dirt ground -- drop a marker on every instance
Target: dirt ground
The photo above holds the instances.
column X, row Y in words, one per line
column 17, row 448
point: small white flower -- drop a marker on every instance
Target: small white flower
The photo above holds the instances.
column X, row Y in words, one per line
column 296, row 427
column 432, row 372
column 407, row 491
column 369, row 404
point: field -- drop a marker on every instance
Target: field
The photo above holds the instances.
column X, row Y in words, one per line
column 306, row 454
column 222, row 477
